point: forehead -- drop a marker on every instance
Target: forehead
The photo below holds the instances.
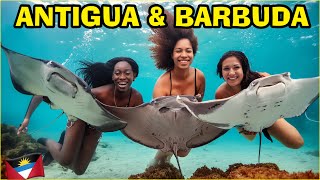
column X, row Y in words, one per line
column 123, row 65
column 183, row 43
column 231, row 61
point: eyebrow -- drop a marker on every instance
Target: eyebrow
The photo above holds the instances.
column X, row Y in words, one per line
column 123, row 70
column 231, row 65
column 182, row 48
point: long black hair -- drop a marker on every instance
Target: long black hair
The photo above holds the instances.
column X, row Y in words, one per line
column 99, row 74
column 248, row 74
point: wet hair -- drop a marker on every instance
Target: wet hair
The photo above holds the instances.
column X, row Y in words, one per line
column 248, row 75
column 99, row 74
column 165, row 40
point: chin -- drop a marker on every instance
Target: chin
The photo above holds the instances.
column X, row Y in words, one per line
column 233, row 84
column 184, row 67
column 123, row 89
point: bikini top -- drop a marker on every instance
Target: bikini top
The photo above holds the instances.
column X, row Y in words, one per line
column 195, row 82
column 129, row 98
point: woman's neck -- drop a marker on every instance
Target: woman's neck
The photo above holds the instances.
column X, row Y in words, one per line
column 181, row 73
column 234, row 89
column 121, row 94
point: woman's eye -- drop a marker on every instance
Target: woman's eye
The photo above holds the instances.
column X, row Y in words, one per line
column 189, row 51
column 226, row 69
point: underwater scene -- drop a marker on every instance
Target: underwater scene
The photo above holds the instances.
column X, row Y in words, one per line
column 270, row 50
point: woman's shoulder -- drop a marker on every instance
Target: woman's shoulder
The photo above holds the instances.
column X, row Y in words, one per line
column 137, row 97
column 163, row 79
column 136, row 93
column 102, row 90
column 264, row 74
column 222, row 91
column 200, row 74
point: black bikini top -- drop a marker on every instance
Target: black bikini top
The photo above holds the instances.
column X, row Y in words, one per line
column 195, row 82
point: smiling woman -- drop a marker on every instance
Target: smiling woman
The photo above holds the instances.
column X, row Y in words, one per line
column 174, row 51
column 77, row 145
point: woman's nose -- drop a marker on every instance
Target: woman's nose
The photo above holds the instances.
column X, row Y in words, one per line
column 122, row 76
column 231, row 71
column 184, row 54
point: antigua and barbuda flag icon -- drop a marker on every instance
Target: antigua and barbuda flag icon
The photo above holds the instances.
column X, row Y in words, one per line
column 25, row 167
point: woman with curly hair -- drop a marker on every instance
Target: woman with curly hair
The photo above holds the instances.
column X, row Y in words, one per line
column 111, row 83
column 173, row 51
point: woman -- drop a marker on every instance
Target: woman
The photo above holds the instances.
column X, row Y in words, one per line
column 174, row 51
column 235, row 69
column 111, row 83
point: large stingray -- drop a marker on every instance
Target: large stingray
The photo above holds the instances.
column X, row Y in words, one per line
column 64, row 89
column 260, row 105
column 166, row 125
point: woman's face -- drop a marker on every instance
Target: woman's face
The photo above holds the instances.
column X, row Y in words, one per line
column 122, row 76
column 232, row 71
column 182, row 54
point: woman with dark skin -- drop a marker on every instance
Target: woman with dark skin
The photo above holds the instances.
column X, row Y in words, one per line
column 234, row 68
column 111, row 83
column 173, row 52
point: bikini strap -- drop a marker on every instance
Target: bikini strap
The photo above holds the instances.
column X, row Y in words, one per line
column 129, row 97
column 170, row 83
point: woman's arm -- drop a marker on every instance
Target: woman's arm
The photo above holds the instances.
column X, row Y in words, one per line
column 34, row 103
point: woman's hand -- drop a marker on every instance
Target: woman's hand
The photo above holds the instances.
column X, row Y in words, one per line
column 198, row 97
column 23, row 126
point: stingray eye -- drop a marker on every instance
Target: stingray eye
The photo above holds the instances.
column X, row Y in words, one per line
column 254, row 83
column 286, row 75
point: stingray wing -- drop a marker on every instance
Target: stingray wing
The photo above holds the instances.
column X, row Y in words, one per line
column 64, row 89
column 164, row 124
column 220, row 113
column 143, row 125
column 260, row 105
column 301, row 93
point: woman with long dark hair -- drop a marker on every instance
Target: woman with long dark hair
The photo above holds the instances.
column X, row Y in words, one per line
column 234, row 68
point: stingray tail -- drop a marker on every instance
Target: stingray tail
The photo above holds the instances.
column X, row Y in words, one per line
column 175, row 153
column 260, row 140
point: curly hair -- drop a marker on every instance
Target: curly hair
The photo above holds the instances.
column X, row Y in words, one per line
column 248, row 74
column 99, row 74
column 165, row 40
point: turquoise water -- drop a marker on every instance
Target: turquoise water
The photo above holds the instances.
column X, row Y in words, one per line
column 269, row 50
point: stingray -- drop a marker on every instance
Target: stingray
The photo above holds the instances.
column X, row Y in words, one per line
column 260, row 105
column 64, row 89
column 166, row 125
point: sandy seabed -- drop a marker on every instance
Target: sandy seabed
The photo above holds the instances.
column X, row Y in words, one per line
column 119, row 157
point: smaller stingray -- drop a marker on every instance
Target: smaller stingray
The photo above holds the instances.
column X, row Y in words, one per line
column 260, row 105
column 64, row 89
column 166, row 125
